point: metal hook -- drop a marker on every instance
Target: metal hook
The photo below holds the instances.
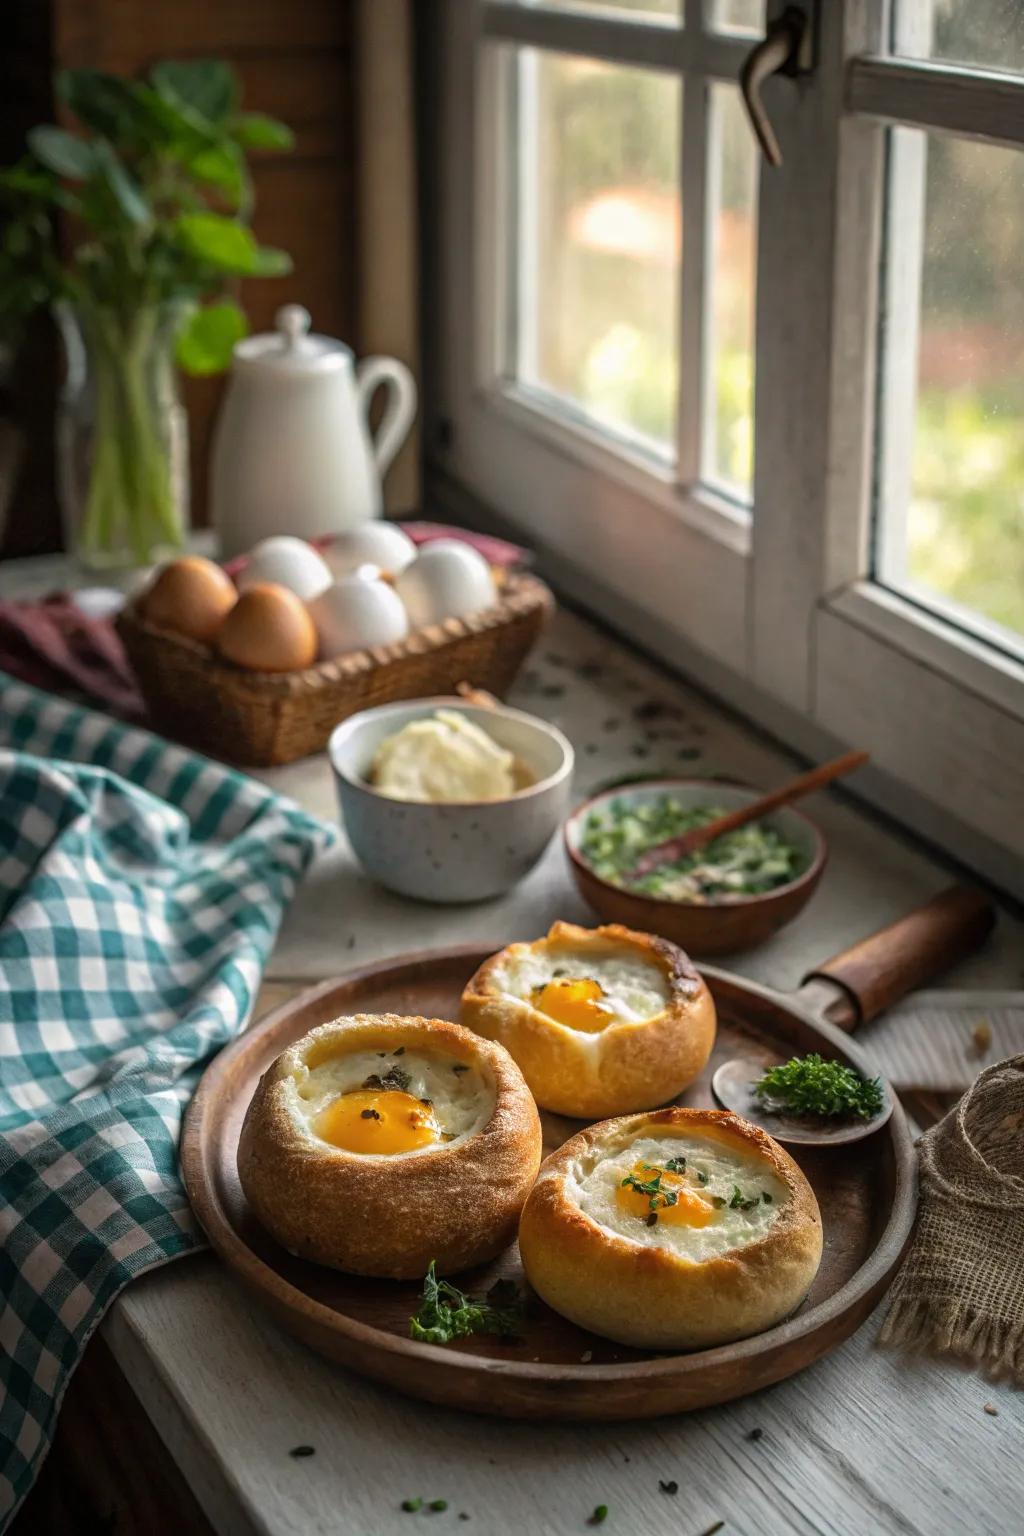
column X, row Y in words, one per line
column 781, row 51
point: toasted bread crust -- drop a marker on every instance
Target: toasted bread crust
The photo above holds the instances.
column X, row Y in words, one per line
column 652, row 1297
column 629, row 1066
column 389, row 1216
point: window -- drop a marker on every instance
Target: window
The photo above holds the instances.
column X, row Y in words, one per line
column 769, row 420
column 950, row 529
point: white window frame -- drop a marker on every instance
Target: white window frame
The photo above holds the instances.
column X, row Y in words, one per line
column 775, row 612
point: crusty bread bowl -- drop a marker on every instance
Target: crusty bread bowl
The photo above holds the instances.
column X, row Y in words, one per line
column 733, row 1253
column 416, row 1176
column 659, row 1028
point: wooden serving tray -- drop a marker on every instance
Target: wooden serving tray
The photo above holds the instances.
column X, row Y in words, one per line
column 867, row 1195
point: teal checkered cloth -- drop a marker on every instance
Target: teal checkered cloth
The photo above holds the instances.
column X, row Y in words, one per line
column 141, row 888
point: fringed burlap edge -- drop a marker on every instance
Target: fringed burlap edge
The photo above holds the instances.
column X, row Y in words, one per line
column 996, row 1346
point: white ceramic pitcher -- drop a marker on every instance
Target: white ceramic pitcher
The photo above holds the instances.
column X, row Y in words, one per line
column 292, row 451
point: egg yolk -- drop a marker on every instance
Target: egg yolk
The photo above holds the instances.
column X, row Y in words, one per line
column 576, row 1002
column 373, row 1121
column 665, row 1195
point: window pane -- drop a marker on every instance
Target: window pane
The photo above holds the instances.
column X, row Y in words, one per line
column 738, row 15
column 599, row 239
column 731, row 279
column 641, row 10
column 952, row 484
column 988, row 33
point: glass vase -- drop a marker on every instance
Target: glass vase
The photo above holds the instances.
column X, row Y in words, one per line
column 122, row 437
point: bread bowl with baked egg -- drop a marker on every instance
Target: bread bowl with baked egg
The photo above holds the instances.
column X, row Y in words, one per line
column 602, row 1021
column 377, row 1143
column 678, row 1229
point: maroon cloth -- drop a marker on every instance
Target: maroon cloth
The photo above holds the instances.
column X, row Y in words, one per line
column 53, row 645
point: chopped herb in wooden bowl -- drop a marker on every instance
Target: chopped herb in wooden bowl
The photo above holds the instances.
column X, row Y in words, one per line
column 747, row 862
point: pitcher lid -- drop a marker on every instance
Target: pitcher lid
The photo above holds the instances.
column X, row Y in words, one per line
column 290, row 347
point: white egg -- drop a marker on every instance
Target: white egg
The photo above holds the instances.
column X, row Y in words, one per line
column 462, row 1100
column 379, row 544
column 707, row 1186
column 632, row 987
column 356, row 614
column 287, row 562
column 447, row 580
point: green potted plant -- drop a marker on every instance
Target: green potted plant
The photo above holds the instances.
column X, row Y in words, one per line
column 154, row 199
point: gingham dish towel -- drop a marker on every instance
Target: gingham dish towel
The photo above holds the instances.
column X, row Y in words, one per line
column 141, row 888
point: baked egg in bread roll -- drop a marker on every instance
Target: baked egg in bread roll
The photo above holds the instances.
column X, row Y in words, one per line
column 377, row 1143
column 601, row 1020
column 678, row 1229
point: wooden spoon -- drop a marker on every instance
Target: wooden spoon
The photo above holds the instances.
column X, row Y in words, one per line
column 699, row 837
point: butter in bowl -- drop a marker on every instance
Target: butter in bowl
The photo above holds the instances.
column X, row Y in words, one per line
column 450, row 801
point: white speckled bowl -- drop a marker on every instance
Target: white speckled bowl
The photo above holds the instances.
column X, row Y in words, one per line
column 451, row 853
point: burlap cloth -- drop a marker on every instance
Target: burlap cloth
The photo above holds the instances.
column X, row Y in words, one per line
column 961, row 1288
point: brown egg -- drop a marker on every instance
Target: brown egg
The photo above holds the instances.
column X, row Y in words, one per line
column 269, row 630
column 191, row 597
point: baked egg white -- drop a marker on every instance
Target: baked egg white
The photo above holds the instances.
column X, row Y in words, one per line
column 690, row 1194
column 392, row 1103
column 584, row 990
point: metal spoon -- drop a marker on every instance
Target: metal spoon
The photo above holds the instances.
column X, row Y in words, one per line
column 733, row 1083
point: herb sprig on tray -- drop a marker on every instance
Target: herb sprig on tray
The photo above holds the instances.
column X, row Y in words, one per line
column 809, row 1085
column 446, row 1313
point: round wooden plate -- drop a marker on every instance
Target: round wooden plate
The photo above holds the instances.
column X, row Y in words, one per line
column 866, row 1193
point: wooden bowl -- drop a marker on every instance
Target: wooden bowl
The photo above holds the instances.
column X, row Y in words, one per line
column 719, row 927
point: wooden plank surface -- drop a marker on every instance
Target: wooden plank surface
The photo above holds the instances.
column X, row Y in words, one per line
column 864, row 1442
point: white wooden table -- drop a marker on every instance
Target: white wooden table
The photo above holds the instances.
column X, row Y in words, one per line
column 863, row 1442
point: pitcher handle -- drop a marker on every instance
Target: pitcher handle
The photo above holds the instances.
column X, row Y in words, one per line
column 400, row 410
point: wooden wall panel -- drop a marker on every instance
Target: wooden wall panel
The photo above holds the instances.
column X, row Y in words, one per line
column 294, row 58
column 30, row 523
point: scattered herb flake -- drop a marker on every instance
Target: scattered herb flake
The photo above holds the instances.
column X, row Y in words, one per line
column 302, row 1450
column 398, row 1051
column 809, row 1085
column 718, row 1525
column 395, row 1078
column 369, row 1114
column 437, row 1505
column 599, row 1516
column 739, row 1202
column 446, row 1313
column 755, row 1433
column 412, row 1505
column 766, row 1197
column 676, row 1165
column 657, row 1198
column 668, row 1487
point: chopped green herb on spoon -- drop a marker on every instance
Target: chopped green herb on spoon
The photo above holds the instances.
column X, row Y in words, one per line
column 809, row 1085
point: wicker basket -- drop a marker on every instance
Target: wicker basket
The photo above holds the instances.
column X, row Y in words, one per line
column 259, row 719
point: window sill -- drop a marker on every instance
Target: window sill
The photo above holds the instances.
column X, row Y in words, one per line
column 924, row 638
